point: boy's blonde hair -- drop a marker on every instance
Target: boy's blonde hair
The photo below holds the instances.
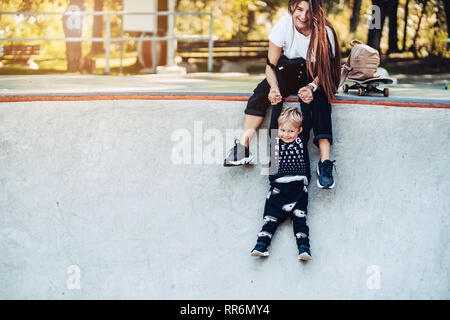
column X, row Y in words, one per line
column 290, row 114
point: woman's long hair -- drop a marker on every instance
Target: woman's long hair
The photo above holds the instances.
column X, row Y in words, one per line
column 324, row 66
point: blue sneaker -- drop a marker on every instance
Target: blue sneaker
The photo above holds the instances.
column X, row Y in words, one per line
column 325, row 173
column 260, row 250
column 304, row 253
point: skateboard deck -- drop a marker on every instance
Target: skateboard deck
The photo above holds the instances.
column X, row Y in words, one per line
column 367, row 86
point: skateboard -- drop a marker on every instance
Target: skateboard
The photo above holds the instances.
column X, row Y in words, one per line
column 369, row 85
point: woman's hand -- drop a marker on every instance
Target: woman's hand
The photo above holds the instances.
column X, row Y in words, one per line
column 306, row 94
column 274, row 95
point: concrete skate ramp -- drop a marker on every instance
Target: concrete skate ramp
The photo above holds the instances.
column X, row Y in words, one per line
column 94, row 206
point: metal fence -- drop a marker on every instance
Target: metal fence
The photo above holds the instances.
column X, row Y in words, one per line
column 107, row 39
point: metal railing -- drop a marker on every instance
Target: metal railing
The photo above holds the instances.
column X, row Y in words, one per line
column 108, row 40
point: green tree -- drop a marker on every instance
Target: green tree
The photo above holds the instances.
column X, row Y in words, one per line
column 233, row 19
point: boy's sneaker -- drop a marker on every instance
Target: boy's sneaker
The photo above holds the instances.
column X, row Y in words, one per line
column 260, row 250
column 305, row 253
column 238, row 155
column 325, row 173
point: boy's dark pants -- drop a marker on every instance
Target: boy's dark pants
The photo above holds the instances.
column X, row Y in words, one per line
column 293, row 76
column 286, row 200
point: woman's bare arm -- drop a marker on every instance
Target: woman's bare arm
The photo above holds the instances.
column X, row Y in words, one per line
column 273, row 56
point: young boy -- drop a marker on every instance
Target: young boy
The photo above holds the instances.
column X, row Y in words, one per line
column 289, row 174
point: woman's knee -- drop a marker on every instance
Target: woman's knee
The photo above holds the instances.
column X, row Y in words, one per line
column 320, row 100
column 258, row 103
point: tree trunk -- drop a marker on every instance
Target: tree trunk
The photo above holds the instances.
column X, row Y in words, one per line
column 405, row 30
column 162, row 20
column 416, row 35
column 97, row 32
column 375, row 34
column 73, row 25
column 251, row 18
column 355, row 15
column 393, row 26
column 447, row 13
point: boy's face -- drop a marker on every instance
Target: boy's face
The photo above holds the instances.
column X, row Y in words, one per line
column 288, row 131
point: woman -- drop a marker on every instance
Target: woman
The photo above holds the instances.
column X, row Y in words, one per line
column 303, row 59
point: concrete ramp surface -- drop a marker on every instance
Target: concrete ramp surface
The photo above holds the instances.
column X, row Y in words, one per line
column 127, row 200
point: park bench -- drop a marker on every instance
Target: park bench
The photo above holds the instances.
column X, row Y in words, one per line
column 232, row 50
column 20, row 52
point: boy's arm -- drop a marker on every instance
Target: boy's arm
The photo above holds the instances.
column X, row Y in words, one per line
column 276, row 111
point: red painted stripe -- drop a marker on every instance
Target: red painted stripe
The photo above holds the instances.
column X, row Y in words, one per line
column 394, row 104
column 115, row 97
column 205, row 97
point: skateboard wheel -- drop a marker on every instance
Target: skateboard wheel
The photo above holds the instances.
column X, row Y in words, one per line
column 361, row 92
column 345, row 88
column 386, row 92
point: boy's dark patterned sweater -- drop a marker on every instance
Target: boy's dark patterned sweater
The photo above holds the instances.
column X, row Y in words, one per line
column 287, row 159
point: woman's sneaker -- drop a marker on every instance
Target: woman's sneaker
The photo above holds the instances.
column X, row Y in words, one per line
column 305, row 253
column 238, row 155
column 325, row 173
column 260, row 250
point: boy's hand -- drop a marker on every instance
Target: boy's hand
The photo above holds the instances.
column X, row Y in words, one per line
column 274, row 95
column 306, row 94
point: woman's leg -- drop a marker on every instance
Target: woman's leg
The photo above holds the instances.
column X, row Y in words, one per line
column 321, row 122
column 324, row 143
column 323, row 138
column 251, row 124
column 324, row 147
column 254, row 115
column 317, row 115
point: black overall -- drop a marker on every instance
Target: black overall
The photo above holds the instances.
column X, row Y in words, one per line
column 292, row 75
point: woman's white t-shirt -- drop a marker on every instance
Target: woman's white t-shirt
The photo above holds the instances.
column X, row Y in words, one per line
column 293, row 43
